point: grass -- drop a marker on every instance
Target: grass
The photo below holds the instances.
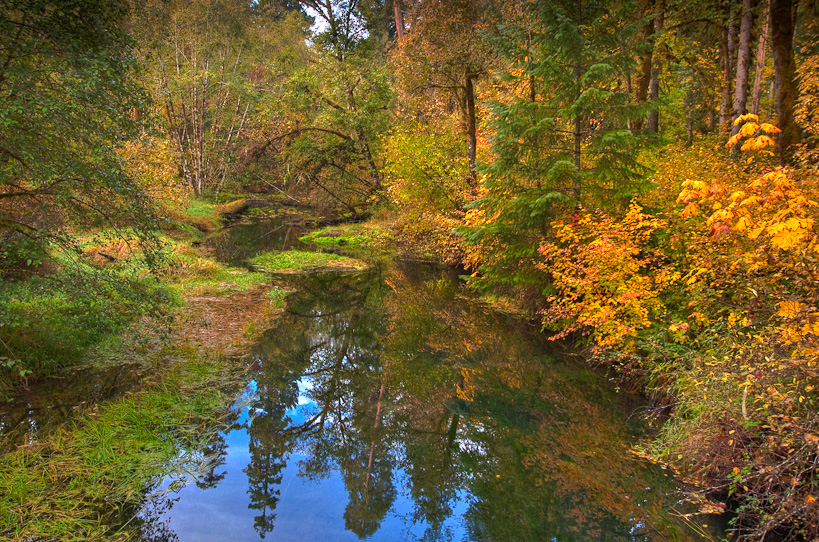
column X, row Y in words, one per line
column 202, row 215
column 80, row 482
column 86, row 479
column 369, row 235
column 190, row 273
column 51, row 321
column 47, row 323
column 201, row 209
column 296, row 260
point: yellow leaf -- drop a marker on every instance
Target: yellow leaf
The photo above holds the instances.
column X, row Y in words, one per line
column 786, row 239
column 749, row 128
column 690, row 210
column 745, row 117
column 789, row 309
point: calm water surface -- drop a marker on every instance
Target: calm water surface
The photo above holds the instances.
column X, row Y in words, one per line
column 389, row 405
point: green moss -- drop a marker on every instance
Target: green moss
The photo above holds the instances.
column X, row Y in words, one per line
column 296, row 260
column 334, row 238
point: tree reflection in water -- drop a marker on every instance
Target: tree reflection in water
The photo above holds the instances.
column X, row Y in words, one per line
column 406, row 378
column 397, row 382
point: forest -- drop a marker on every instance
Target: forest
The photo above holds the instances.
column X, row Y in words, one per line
column 637, row 179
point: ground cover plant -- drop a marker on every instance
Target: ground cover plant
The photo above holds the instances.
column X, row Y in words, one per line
column 296, row 261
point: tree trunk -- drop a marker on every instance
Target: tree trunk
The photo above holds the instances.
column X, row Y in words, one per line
column 399, row 18
column 689, row 116
column 759, row 69
column 725, row 62
column 644, row 80
column 654, row 83
column 471, row 135
column 743, row 66
column 785, row 73
column 727, row 46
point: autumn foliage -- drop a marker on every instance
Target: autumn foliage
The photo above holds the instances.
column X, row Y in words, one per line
column 607, row 282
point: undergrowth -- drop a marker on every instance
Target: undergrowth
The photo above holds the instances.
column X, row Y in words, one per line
column 296, row 260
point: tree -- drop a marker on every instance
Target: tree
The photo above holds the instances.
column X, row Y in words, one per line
column 203, row 55
column 759, row 70
column 68, row 100
column 326, row 120
column 565, row 145
column 653, row 123
column 743, row 65
column 727, row 46
column 782, row 29
column 443, row 51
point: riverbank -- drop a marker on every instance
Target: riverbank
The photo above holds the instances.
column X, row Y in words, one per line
column 118, row 401
column 197, row 358
column 700, row 291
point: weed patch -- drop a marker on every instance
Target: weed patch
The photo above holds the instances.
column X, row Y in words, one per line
column 84, row 482
column 353, row 236
column 293, row 261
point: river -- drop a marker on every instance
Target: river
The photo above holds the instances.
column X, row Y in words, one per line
column 392, row 404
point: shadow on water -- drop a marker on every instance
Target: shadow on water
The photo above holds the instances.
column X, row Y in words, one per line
column 387, row 405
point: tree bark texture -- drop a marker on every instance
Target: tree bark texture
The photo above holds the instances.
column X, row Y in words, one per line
column 471, row 125
column 759, row 70
column 727, row 50
column 782, row 28
column 653, row 123
column 399, row 18
column 743, row 58
column 644, row 80
column 743, row 67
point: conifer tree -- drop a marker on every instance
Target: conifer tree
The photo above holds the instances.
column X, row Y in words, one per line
column 561, row 136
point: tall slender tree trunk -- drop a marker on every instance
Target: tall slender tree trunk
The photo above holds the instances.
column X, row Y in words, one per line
column 578, row 137
column 759, row 69
column 644, row 80
column 654, row 83
column 399, row 18
column 743, row 66
column 471, row 126
column 578, row 120
column 689, row 116
column 782, row 27
column 727, row 46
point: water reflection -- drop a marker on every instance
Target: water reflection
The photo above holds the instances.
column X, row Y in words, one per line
column 48, row 403
column 389, row 406
column 268, row 228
